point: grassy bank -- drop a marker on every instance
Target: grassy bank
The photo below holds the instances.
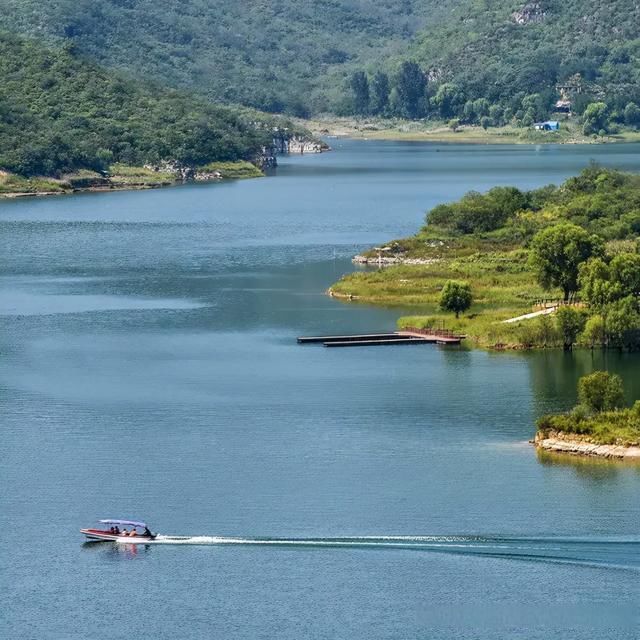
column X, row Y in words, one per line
column 430, row 131
column 503, row 285
column 515, row 252
column 621, row 427
column 119, row 176
column 601, row 417
column 233, row 170
column 11, row 185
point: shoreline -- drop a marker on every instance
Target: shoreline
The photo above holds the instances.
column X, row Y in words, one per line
column 576, row 445
column 17, row 195
column 419, row 131
column 130, row 178
column 123, row 178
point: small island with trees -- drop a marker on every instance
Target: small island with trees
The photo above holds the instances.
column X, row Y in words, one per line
column 600, row 425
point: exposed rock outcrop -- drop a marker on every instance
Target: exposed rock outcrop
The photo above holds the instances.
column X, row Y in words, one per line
column 285, row 142
column 182, row 172
column 302, row 145
column 531, row 13
column 387, row 261
column 267, row 159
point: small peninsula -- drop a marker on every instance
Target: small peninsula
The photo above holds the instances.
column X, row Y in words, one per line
column 553, row 267
column 68, row 125
column 599, row 426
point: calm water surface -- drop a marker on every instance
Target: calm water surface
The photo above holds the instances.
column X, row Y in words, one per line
column 148, row 368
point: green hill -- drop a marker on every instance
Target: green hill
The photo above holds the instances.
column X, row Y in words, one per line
column 304, row 57
column 505, row 51
column 59, row 114
column 277, row 55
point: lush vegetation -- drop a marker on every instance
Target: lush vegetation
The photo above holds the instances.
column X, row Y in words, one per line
column 577, row 243
column 488, row 62
column 59, row 114
column 601, row 416
column 456, row 297
column 495, row 62
column 274, row 56
column 233, row 170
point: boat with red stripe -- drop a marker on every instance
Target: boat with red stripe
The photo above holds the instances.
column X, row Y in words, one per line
column 115, row 530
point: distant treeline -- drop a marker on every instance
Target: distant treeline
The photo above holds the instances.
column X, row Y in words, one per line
column 408, row 94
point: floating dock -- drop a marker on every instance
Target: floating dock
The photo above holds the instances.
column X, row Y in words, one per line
column 407, row 336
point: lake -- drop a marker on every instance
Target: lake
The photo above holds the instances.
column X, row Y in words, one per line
column 149, row 369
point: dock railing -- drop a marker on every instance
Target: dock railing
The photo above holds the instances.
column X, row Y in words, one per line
column 551, row 303
column 439, row 333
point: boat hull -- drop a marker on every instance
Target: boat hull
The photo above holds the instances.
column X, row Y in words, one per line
column 98, row 535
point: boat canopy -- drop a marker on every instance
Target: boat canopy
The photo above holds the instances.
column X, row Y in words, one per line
column 132, row 523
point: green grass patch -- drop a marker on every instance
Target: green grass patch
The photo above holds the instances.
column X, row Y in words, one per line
column 13, row 184
column 239, row 169
column 125, row 175
column 620, row 427
column 503, row 287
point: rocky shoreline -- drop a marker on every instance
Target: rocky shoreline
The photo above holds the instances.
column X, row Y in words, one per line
column 388, row 261
column 574, row 444
column 162, row 174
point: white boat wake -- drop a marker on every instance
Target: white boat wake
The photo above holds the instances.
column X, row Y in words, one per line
column 617, row 552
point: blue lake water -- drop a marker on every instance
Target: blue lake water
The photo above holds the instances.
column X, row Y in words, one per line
column 148, row 369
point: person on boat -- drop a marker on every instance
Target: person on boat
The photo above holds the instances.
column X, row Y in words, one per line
column 116, row 530
column 124, row 532
column 112, row 530
column 147, row 533
column 133, row 532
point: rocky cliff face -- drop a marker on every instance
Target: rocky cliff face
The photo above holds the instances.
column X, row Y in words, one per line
column 284, row 142
column 301, row 145
column 266, row 159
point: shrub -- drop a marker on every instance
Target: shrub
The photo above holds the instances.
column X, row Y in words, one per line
column 594, row 332
column 570, row 323
column 456, row 297
column 601, row 391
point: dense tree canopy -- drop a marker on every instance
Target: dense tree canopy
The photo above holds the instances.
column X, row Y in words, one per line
column 557, row 253
column 486, row 60
column 479, row 212
column 59, row 113
column 582, row 237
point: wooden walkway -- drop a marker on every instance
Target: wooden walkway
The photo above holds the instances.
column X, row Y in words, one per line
column 406, row 336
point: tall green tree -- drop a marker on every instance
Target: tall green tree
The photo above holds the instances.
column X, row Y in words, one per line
column 360, row 88
column 380, row 89
column 411, row 85
column 570, row 323
column 632, row 114
column 456, row 297
column 595, row 118
column 596, row 287
column 625, row 273
column 449, row 100
column 557, row 253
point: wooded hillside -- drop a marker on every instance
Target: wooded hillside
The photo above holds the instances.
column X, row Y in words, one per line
column 300, row 57
column 59, row 113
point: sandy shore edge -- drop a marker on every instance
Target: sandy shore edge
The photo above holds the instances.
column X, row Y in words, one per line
column 581, row 446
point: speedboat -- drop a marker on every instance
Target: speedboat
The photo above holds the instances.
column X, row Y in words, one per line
column 117, row 532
